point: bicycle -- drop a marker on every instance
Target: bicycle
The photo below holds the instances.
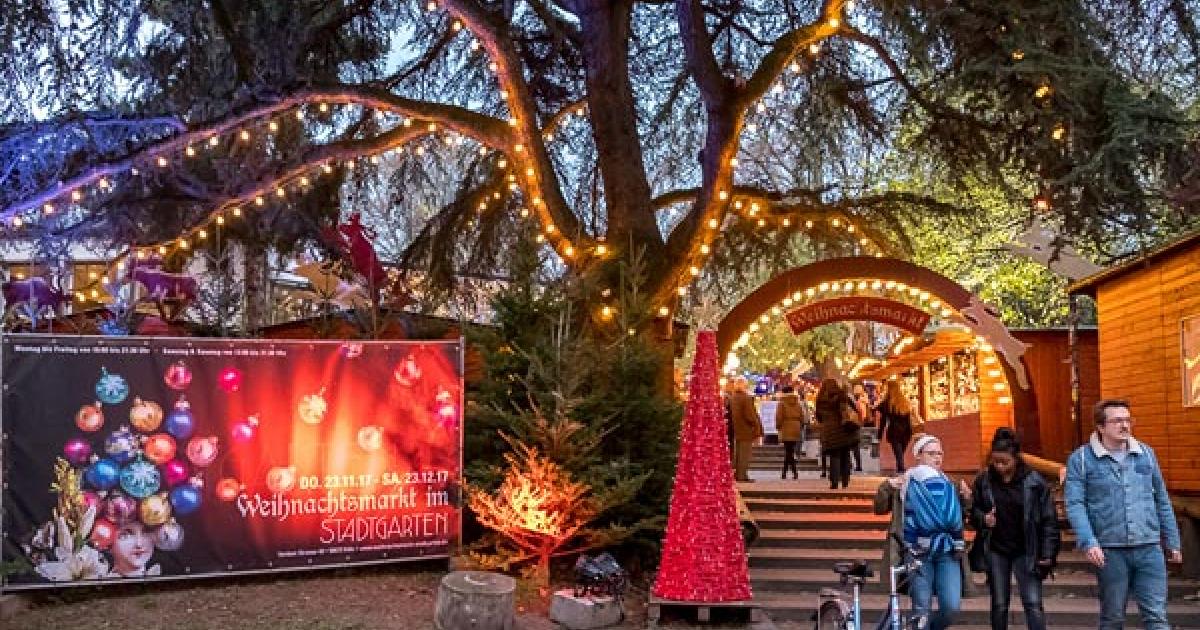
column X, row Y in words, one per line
column 834, row 613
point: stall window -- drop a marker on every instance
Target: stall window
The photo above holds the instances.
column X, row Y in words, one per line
column 966, row 383
column 87, row 280
column 939, row 389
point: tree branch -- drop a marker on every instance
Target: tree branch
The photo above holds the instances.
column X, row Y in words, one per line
column 786, row 47
column 483, row 128
column 715, row 87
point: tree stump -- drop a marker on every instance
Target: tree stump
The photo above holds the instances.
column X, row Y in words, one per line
column 475, row 600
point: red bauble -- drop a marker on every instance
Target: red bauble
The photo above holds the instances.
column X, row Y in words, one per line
column 230, row 379
column 704, row 557
column 227, row 489
column 104, row 532
column 159, row 448
column 89, row 418
column 177, row 376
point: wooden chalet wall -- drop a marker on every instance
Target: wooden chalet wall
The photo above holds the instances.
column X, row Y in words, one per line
column 1048, row 360
column 1140, row 307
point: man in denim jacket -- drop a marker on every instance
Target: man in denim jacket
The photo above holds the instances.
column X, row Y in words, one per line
column 1118, row 506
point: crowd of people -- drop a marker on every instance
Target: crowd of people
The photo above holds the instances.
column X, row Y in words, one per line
column 1116, row 502
column 1115, row 496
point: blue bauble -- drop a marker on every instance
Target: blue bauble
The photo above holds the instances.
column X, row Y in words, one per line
column 140, row 479
column 102, row 475
column 185, row 499
column 121, row 446
column 179, row 422
column 111, row 389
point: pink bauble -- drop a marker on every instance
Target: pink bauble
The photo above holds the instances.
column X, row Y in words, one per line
column 245, row 430
column 119, row 508
column 201, row 451
column 230, row 379
column 228, row 488
column 91, row 500
column 104, row 532
column 77, row 451
column 159, row 448
column 177, row 376
column 89, row 418
column 174, row 472
column 408, row 372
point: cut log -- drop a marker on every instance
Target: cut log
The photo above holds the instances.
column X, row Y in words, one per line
column 475, row 600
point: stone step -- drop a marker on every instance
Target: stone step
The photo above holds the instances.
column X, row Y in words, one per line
column 1064, row 584
column 820, row 539
column 792, row 490
column 844, row 506
column 1061, row 612
column 823, row 521
column 770, row 556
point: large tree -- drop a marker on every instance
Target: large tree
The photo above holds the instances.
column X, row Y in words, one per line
column 625, row 128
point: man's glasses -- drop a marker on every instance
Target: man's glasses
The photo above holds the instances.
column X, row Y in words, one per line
column 1118, row 420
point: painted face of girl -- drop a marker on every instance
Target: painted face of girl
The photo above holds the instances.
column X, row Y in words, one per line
column 132, row 549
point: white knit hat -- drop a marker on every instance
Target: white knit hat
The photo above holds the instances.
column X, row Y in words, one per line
column 922, row 442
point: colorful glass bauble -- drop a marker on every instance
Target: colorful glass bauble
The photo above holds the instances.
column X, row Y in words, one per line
column 121, row 445
column 352, row 350
column 408, row 372
column 228, row 489
column 174, row 472
column 103, row 474
column 281, row 478
column 77, row 451
column 104, row 532
column 145, row 415
column 230, row 379
column 177, row 376
column 201, row 451
column 159, row 447
column 245, row 430
column 111, row 389
column 89, row 418
column 180, row 422
column 119, row 508
column 185, row 499
column 169, row 537
column 91, row 499
column 155, row 509
column 140, row 479
column 370, row 438
column 312, row 407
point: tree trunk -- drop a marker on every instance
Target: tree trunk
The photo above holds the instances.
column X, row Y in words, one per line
column 627, row 196
column 257, row 284
column 475, row 600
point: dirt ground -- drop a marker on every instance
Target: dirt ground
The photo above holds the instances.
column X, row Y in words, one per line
column 399, row 597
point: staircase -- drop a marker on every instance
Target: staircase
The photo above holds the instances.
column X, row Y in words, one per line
column 769, row 457
column 806, row 527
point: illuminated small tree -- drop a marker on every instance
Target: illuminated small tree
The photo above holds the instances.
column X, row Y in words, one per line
column 541, row 512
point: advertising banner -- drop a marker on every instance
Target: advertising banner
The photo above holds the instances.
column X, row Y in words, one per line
column 151, row 458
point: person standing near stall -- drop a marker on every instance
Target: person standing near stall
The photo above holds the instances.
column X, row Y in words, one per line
column 790, row 416
column 897, row 418
column 1013, row 513
column 747, row 427
column 836, row 439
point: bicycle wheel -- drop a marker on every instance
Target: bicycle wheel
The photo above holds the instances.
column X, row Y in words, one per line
column 832, row 616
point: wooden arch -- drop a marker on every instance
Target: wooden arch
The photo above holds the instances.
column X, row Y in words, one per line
column 968, row 308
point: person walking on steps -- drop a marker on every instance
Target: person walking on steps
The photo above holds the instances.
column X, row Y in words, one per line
column 1016, row 530
column 747, row 428
column 896, row 420
column 790, row 415
column 862, row 406
column 932, row 526
column 1118, row 506
column 837, row 437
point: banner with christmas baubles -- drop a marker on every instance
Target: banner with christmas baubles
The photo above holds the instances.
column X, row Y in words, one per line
column 150, row 458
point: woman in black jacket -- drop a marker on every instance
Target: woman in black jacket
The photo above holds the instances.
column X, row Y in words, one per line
column 1014, row 508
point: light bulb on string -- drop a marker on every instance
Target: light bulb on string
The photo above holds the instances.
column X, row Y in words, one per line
column 244, row 135
column 190, row 151
column 237, row 212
